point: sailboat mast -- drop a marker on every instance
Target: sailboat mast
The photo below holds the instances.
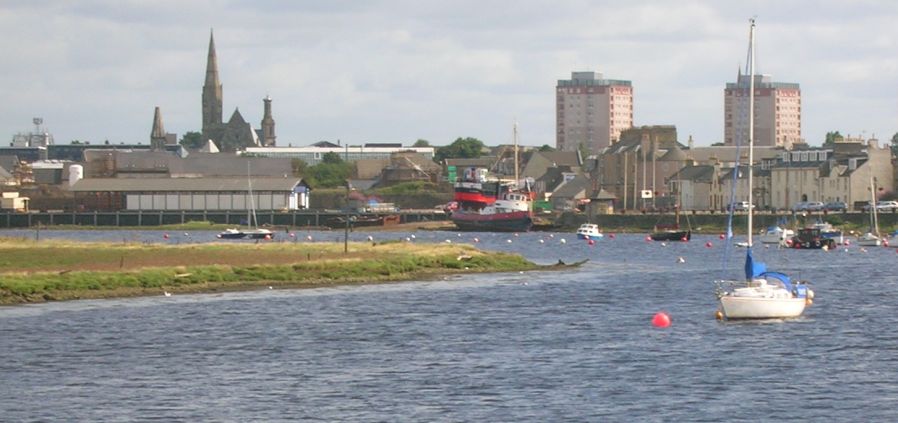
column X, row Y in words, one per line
column 751, row 125
column 253, row 223
column 874, row 228
column 515, row 138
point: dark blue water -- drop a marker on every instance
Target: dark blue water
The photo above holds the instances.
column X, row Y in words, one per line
column 540, row 346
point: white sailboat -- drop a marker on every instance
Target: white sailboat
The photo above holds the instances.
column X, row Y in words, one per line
column 763, row 294
column 253, row 231
column 872, row 238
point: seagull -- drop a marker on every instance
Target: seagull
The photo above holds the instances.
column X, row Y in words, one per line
column 166, row 293
column 681, row 260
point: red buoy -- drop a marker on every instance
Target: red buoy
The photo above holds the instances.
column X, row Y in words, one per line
column 611, row 236
column 268, row 237
column 165, row 236
column 591, row 242
column 684, row 239
column 661, row 320
column 723, row 236
column 709, row 244
column 648, row 238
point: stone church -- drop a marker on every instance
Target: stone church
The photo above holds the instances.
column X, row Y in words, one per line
column 236, row 133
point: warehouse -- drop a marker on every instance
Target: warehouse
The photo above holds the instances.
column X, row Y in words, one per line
column 143, row 194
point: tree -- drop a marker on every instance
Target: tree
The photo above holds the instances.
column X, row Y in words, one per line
column 584, row 150
column 331, row 158
column 831, row 138
column 461, row 148
column 895, row 145
column 546, row 147
column 421, row 143
column 328, row 175
column 192, row 140
column 300, row 167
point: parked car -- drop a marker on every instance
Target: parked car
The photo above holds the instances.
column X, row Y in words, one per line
column 808, row 206
column 883, row 206
column 835, row 206
column 740, row 206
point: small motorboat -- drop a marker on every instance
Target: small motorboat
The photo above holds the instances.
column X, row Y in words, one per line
column 232, row 233
column 776, row 235
column 589, row 231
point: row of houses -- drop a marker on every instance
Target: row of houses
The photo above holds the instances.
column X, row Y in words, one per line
column 649, row 169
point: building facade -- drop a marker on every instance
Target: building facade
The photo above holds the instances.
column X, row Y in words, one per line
column 777, row 112
column 313, row 155
column 842, row 173
column 591, row 111
column 268, row 194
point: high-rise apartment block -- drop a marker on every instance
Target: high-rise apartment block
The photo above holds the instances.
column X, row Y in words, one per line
column 777, row 112
column 591, row 111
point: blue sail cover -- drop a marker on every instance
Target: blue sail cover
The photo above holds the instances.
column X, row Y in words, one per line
column 753, row 269
column 787, row 282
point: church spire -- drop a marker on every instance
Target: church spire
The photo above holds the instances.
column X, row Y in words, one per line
column 157, row 134
column 212, row 64
column 212, row 92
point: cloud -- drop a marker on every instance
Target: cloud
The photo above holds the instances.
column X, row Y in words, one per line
column 402, row 70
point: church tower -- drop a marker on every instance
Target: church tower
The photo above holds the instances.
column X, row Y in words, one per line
column 268, row 137
column 212, row 94
column 157, row 134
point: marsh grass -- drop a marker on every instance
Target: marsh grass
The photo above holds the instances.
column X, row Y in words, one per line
column 33, row 271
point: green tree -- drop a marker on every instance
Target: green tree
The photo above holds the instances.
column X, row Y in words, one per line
column 192, row 140
column 331, row 158
column 895, row 145
column 831, row 138
column 329, row 175
column 421, row 143
column 461, row 148
column 584, row 150
column 546, row 147
column 300, row 167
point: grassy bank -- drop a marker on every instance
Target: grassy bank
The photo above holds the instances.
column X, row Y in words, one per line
column 59, row 270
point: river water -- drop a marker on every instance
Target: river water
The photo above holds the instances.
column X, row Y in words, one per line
column 575, row 345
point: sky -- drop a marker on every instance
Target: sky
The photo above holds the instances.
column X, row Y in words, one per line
column 399, row 71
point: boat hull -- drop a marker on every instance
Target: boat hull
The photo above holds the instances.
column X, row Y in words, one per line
column 761, row 308
column 231, row 235
column 588, row 237
column 671, row 236
column 260, row 234
column 777, row 237
column 497, row 222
